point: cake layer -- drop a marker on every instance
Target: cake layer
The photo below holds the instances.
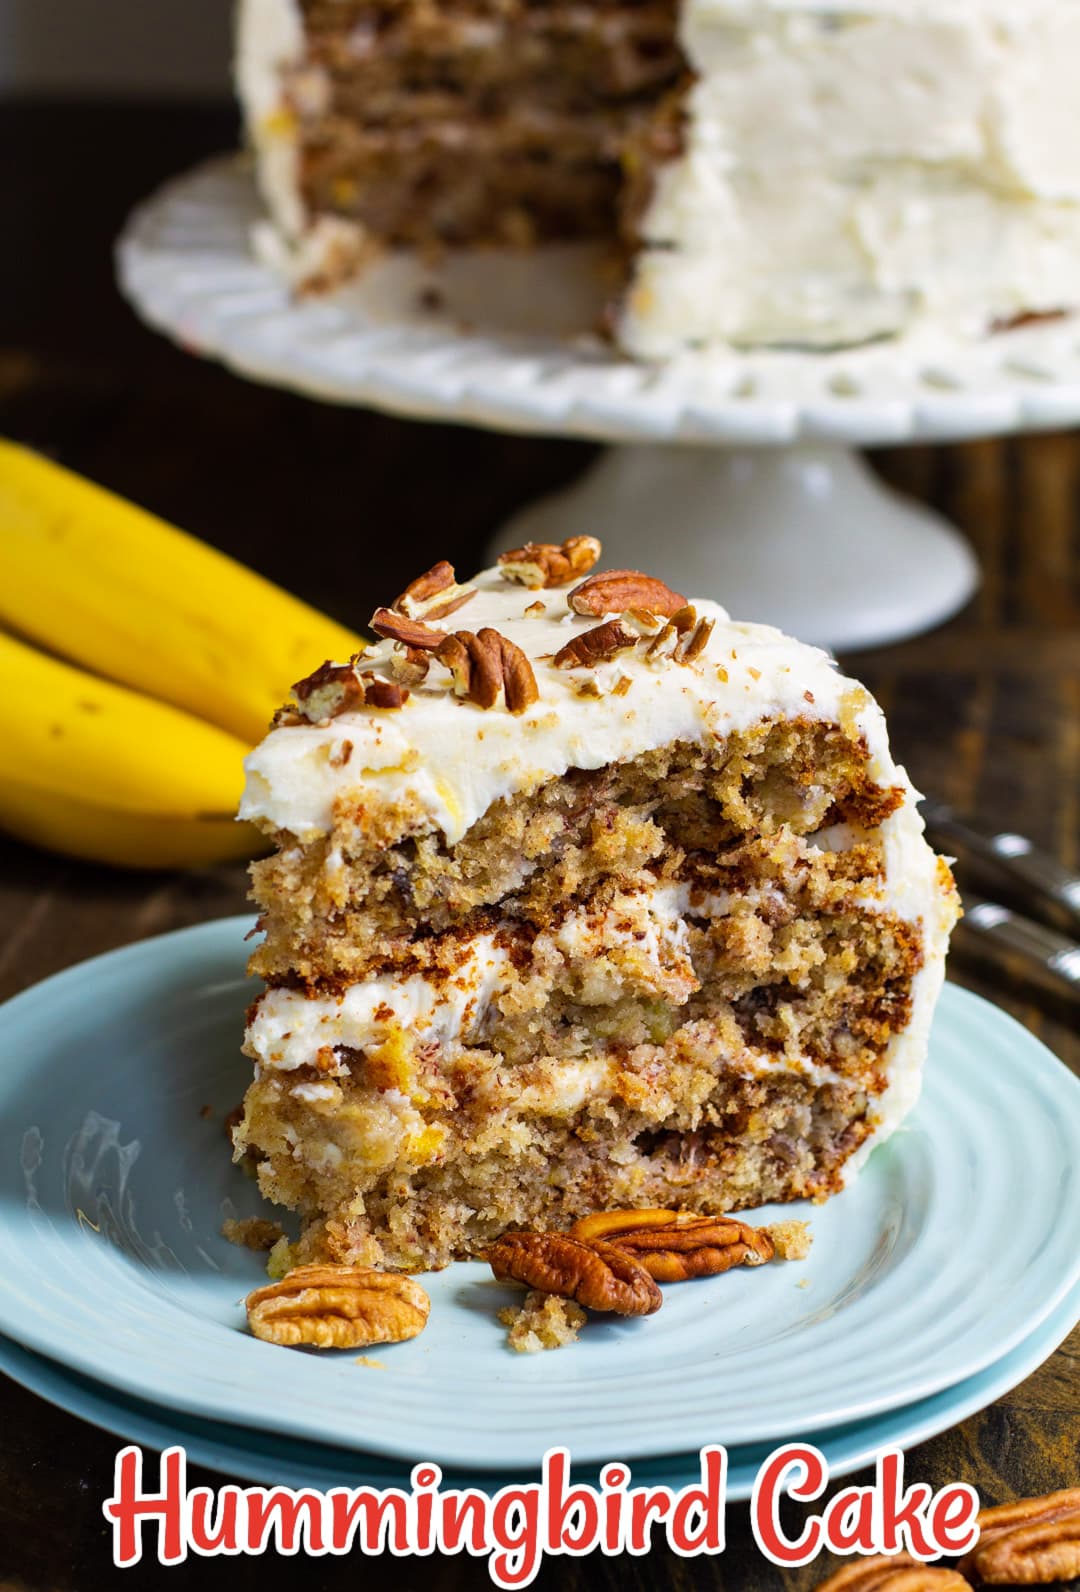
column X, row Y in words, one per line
column 337, row 906
column 759, row 1138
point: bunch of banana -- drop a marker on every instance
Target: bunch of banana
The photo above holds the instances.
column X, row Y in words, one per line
column 140, row 762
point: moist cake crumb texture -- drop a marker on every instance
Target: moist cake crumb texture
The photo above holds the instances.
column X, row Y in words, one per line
column 544, row 938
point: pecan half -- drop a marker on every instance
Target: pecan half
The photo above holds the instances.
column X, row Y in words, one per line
column 540, row 564
column 613, row 591
column 597, row 1275
column 435, row 594
column 338, row 1307
column 596, row 645
column 484, row 664
column 1028, row 1543
column 410, row 632
column 333, row 688
column 674, row 1246
column 896, row 1573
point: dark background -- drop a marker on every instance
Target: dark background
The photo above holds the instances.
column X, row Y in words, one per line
column 343, row 507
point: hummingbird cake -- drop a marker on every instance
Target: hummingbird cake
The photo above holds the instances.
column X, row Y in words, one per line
column 584, row 896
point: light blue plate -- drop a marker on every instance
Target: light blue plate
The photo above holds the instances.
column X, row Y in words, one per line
column 291, row 1462
column 961, row 1236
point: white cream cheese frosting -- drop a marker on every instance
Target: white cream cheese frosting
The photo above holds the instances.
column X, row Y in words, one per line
column 854, row 170
column 451, row 760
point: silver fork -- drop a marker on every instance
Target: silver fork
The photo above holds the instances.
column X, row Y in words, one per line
column 1048, row 956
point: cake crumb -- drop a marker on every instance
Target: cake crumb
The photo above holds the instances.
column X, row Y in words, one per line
column 206, row 1112
column 544, row 1321
column 791, row 1240
column 803, row 1282
column 366, row 1359
column 254, row 1232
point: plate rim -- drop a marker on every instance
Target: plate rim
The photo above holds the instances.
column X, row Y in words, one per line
column 905, row 1427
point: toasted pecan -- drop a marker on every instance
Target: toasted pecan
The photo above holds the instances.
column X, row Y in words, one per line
column 435, row 594
column 338, row 1307
column 675, row 1246
column 613, row 591
column 598, row 1275
column 331, row 689
column 596, row 645
column 894, row 1573
column 1029, row 1542
column 485, row 664
column 410, row 632
column 542, row 564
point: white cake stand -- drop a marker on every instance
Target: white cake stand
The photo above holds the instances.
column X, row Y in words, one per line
column 735, row 475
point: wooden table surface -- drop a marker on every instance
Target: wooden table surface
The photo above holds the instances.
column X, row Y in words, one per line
column 985, row 713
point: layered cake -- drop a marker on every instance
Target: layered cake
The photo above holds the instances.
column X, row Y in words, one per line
column 583, row 897
column 773, row 172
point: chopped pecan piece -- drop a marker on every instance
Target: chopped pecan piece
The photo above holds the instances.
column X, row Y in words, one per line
column 435, row 594
column 674, row 1246
column 596, row 1275
column 613, row 591
column 896, row 1573
column 485, row 664
column 596, row 645
column 379, row 693
column 333, row 688
column 338, row 1307
column 540, row 564
column 410, row 632
column 1028, row 1543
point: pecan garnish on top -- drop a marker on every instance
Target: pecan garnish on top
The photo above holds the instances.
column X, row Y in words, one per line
column 596, row 645
column 614, row 591
column 435, row 594
column 485, row 664
column 597, row 1275
column 543, row 564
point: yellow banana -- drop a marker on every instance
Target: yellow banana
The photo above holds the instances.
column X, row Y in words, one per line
column 115, row 588
column 95, row 770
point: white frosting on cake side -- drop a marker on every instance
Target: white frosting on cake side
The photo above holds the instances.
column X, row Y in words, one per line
column 851, row 171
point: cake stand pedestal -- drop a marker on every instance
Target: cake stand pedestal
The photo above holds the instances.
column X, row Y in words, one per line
column 731, row 474
column 803, row 537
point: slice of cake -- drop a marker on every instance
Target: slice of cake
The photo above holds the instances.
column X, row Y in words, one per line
column 583, row 897
column 809, row 172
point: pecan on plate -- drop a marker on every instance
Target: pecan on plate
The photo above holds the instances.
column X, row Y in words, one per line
column 596, row 645
column 613, row 591
column 674, row 1246
column 894, row 1573
column 435, row 594
column 1029, row 1542
column 485, row 664
column 332, row 689
column 338, row 1307
column 597, row 1275
column 541, row 564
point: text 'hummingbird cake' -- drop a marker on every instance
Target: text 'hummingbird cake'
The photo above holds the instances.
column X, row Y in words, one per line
column 584, row 896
